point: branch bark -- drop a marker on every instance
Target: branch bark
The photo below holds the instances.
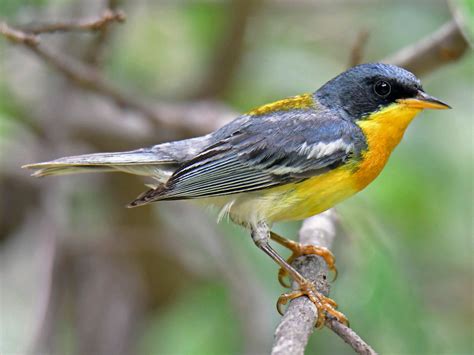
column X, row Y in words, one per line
column 444, row 46
column 92, row 24
column 297, row 324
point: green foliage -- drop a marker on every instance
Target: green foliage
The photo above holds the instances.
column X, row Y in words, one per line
column 200, row 322
column 466, row 11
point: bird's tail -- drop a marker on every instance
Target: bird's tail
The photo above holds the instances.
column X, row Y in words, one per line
column 147, row 161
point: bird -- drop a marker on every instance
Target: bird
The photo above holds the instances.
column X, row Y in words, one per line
column 283, row 161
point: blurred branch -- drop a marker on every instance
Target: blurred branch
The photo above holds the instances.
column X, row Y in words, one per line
column 357, row 51
column 95, row 53
column 444, row 46
column 79, row 73
column 17, row 36
column 166, row 115
column 297, row 324
column 229, row 51
column 93, row 24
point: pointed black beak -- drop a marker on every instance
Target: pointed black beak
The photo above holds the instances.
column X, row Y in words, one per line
column 422, row 100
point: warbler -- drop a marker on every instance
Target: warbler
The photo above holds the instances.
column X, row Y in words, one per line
column 283, row 161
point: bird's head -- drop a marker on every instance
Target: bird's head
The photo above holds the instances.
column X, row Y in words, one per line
column 369, row 88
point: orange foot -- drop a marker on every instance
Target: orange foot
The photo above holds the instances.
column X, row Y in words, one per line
column 325, row 305
column 298, row 250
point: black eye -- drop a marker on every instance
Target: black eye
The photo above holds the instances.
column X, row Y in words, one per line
column 382, row 88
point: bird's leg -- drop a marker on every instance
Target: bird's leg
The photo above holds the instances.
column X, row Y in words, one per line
column 260, row 235
column 298, row 250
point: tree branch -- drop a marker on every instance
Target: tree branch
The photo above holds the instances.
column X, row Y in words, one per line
column 92, row 24
column 297, row 324
column 178, row 117
column 229, row 51
column 94, row 55
column 444, row 46
column 357, row 51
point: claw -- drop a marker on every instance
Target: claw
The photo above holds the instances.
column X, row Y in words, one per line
column 281, row 278
column 298, row 250
column 326, row 306
column 285, row 298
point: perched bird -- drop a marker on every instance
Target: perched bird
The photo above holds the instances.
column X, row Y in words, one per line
column 283, row 161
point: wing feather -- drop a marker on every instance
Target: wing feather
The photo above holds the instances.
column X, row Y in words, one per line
column 258, row 153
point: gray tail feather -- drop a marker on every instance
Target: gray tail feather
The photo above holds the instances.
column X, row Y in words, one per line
column 144, row 161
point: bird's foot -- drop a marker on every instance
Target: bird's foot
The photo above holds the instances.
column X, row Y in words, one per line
column 325, row 306
column 298, row 250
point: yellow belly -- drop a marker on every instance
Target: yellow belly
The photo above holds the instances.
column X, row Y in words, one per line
column 383, row 131
column 312, row 196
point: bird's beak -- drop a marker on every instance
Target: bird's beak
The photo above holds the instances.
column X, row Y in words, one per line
column 422, row 100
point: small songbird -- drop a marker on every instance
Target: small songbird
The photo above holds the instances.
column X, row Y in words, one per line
column 287, row 160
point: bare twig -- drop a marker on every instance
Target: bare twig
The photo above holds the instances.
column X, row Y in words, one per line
column 94, row 55
column 292, row 334
column 165, row 115
column 350, row 337
column 17, row 36
column 357, row 50
column 93, row 24
column 446, row 45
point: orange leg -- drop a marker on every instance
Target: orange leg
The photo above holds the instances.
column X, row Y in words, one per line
column 298, row 250
column 260, row 233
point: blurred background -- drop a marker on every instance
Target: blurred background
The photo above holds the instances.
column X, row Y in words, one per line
column 80, row 274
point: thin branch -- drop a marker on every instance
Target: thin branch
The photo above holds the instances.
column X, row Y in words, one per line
column 350, row 337
column 94, row 55
column 229, row 51
column 17, row 36
column 297, row 324
column 92, row 24
column 357, row 51
column 162, row 115
column 444, row 46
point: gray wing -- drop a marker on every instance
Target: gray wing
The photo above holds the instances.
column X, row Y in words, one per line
column 255, row 153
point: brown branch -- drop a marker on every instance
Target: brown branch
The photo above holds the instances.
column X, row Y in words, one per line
column 92, row 24
column 229, row 51
column 444, row 46
column 18, row 37
column 357, row 50
column 177, row 117
column 94, row 55
column 350, row 337
column 297, row 324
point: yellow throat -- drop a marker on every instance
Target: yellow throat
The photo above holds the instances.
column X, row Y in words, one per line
column 383, row 130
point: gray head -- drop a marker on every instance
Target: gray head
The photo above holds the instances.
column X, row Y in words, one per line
column 367, row 88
